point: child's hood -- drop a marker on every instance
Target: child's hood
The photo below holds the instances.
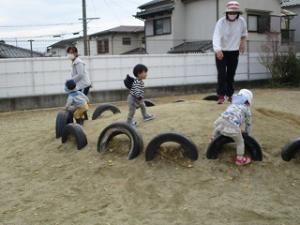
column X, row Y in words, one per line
column 239, row 99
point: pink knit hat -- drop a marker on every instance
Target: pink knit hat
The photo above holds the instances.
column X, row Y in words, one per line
column 233, row 6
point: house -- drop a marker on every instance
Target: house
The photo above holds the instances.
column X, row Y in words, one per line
column 181, row 26
column 60, row 48
column 116, row 41
column 291, row 9
column 10, row 51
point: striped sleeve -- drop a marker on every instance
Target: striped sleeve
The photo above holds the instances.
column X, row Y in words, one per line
column 137, row 89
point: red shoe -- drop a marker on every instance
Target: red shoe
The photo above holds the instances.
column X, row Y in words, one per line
column 242, row 160
column 221, row 100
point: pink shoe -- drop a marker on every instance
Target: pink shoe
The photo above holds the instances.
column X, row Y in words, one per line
column 242, row 160
column 221, row 100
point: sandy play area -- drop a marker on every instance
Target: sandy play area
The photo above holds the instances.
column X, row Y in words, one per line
column 45, row 182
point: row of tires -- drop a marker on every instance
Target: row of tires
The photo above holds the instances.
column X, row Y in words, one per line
column 65, row 128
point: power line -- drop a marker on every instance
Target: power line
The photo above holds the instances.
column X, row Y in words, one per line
column 38, row 25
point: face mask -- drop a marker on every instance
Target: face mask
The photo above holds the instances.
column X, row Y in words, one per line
column 232, row 17
column 71, row 56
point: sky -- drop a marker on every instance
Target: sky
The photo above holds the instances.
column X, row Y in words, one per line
column 40, row 20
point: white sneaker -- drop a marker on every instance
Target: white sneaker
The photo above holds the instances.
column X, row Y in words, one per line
column 148, row 118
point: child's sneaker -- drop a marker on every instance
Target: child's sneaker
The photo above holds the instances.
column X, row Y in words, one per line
column 148, row 118
column 221, row 100
column 242, row 160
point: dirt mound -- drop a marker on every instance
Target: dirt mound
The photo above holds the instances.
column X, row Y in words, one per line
column 45, row 182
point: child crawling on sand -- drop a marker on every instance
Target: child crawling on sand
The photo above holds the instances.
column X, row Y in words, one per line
column 77, row 102
column 230, row 122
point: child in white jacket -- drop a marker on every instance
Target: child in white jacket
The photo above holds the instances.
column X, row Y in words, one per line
column 230, row 122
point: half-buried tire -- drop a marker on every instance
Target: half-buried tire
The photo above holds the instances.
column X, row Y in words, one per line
column 115, row 129
column 76, row 131
column 62, row 119
column 190, row 149
column 290, row 150
column 211, row 98
column 103, row 108
column 251, row 146
column 149, row 103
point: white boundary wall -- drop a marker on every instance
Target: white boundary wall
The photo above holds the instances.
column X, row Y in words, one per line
column 46, row 76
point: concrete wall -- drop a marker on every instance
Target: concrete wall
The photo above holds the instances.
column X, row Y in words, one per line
column 46, row 76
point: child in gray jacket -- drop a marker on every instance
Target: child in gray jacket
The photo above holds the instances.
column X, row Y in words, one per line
column 77, row 102
column 230, row 121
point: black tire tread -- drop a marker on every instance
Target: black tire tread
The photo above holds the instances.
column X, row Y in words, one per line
column 103, row 108
column 76, row 131
column 190, row 149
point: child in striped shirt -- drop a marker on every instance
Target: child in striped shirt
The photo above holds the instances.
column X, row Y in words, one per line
column 136, row 95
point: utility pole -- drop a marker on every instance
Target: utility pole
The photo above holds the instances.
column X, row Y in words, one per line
column 31, row 51
column 84, row 23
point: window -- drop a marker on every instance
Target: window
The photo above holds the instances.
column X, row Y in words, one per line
column 162, row 26
column 126, row 41
column 143, row 40
column 158, row 27
column 102, row 46
column 259, row 23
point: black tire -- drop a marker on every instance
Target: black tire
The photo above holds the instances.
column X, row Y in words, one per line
column 251, row 146
column 105, row 107
column 149, row 103
column 76, row 131
column 190, row 149
column 290, row 150
column 211, row 98
column 115, row 129
column 62, row 119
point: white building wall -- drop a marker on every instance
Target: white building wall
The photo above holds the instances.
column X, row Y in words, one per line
column 46, row 76
column 200, row 20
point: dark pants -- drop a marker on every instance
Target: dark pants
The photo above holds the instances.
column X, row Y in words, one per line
column 86, row 90
column 226, row 72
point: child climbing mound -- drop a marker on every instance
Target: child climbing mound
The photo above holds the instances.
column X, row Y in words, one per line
column 230, row 122
column 136, row 95
column 77, row 102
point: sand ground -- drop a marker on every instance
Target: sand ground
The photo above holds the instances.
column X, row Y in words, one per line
column 45, row 182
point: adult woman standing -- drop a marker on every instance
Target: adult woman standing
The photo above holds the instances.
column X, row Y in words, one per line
column 79, row 72
column 228, row 41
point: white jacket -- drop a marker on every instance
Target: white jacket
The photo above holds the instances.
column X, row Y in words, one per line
column 80, row 74
column 227, row 35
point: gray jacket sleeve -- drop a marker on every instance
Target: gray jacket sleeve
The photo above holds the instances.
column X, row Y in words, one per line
column 85, row 97
column 248, row 122
column 69, row 102
column 80, row 72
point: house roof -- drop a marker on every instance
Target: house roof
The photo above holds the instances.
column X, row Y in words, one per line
column 136, row 51
column 10, row 51
column 285, row 3
column 153, row 3
column 168, row 8
column 193, row 47
column 120, row 29
column 64, row 43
